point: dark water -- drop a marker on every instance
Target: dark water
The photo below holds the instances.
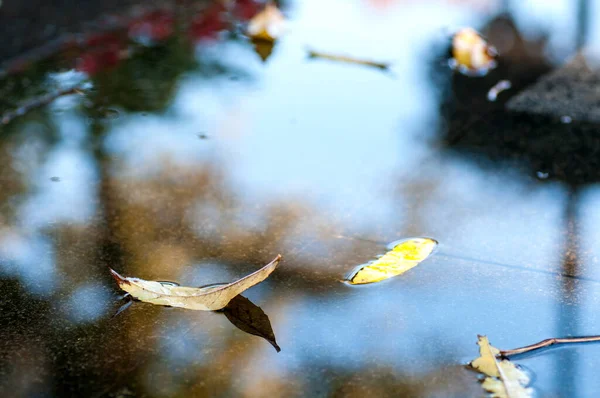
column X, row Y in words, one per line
column 189, row 159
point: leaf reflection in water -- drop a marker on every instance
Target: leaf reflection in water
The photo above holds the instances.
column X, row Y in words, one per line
column 241, row 312
column 250, row 318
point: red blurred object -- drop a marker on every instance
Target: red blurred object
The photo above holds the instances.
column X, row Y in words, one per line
column 208, row 23
column 156, row 26
column 102, row 40
column 245, row 9
column 93, row 62
column 102, row 51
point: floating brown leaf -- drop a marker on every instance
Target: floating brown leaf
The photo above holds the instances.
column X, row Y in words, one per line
column 504, row 379
column 206, row 299
column 250, row 318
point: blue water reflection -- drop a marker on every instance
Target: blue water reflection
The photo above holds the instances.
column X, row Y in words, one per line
column 298, row 152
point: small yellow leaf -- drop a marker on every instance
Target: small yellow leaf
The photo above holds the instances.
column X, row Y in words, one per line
column 486, row 363
column 471, row 53
column 504, row 379
column 268, row 25
column 206, row 299
column 404, row 256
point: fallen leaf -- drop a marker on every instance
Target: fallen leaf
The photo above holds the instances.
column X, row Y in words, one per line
column 250, row 318
column 268, row 25
column 405, row 255
column 486, row 363
column 472, row 55
column 503, row 378
column 206, row 299
column 241, row 312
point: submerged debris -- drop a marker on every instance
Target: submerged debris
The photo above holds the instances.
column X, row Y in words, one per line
column 499, row 87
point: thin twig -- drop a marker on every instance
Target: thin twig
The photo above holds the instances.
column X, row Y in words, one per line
column 548, row 343
column 348, row 60
column 37, row 103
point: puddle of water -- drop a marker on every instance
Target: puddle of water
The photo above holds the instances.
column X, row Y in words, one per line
column 210, row 162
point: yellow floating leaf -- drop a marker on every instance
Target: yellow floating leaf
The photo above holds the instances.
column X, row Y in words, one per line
column 268, row 25
column 403, row 256
column 471, row 53
column 486, row 363
column 504, row 379
column 206, row 299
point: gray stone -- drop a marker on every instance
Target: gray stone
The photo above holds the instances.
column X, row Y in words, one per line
column 572, row 90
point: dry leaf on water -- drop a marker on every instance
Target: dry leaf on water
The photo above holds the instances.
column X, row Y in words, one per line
column 250, row 318
column 206, row 299
column 504, row 379
column 241, row 312
column 267, row 25
column 405, row 255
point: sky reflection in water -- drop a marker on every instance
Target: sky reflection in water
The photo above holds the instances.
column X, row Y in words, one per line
column 296, row 154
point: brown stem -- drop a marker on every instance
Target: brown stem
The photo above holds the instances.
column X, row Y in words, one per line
column 549, row 342
column 349, row 60
column 37, row 103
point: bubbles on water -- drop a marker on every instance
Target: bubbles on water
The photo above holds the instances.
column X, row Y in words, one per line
column 542, row 175
column 566, row 119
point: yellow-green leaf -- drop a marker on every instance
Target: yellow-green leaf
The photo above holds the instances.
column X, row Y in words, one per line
column 504, row 379
column 405, row 255
column 472, row 55
column 207, row 299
